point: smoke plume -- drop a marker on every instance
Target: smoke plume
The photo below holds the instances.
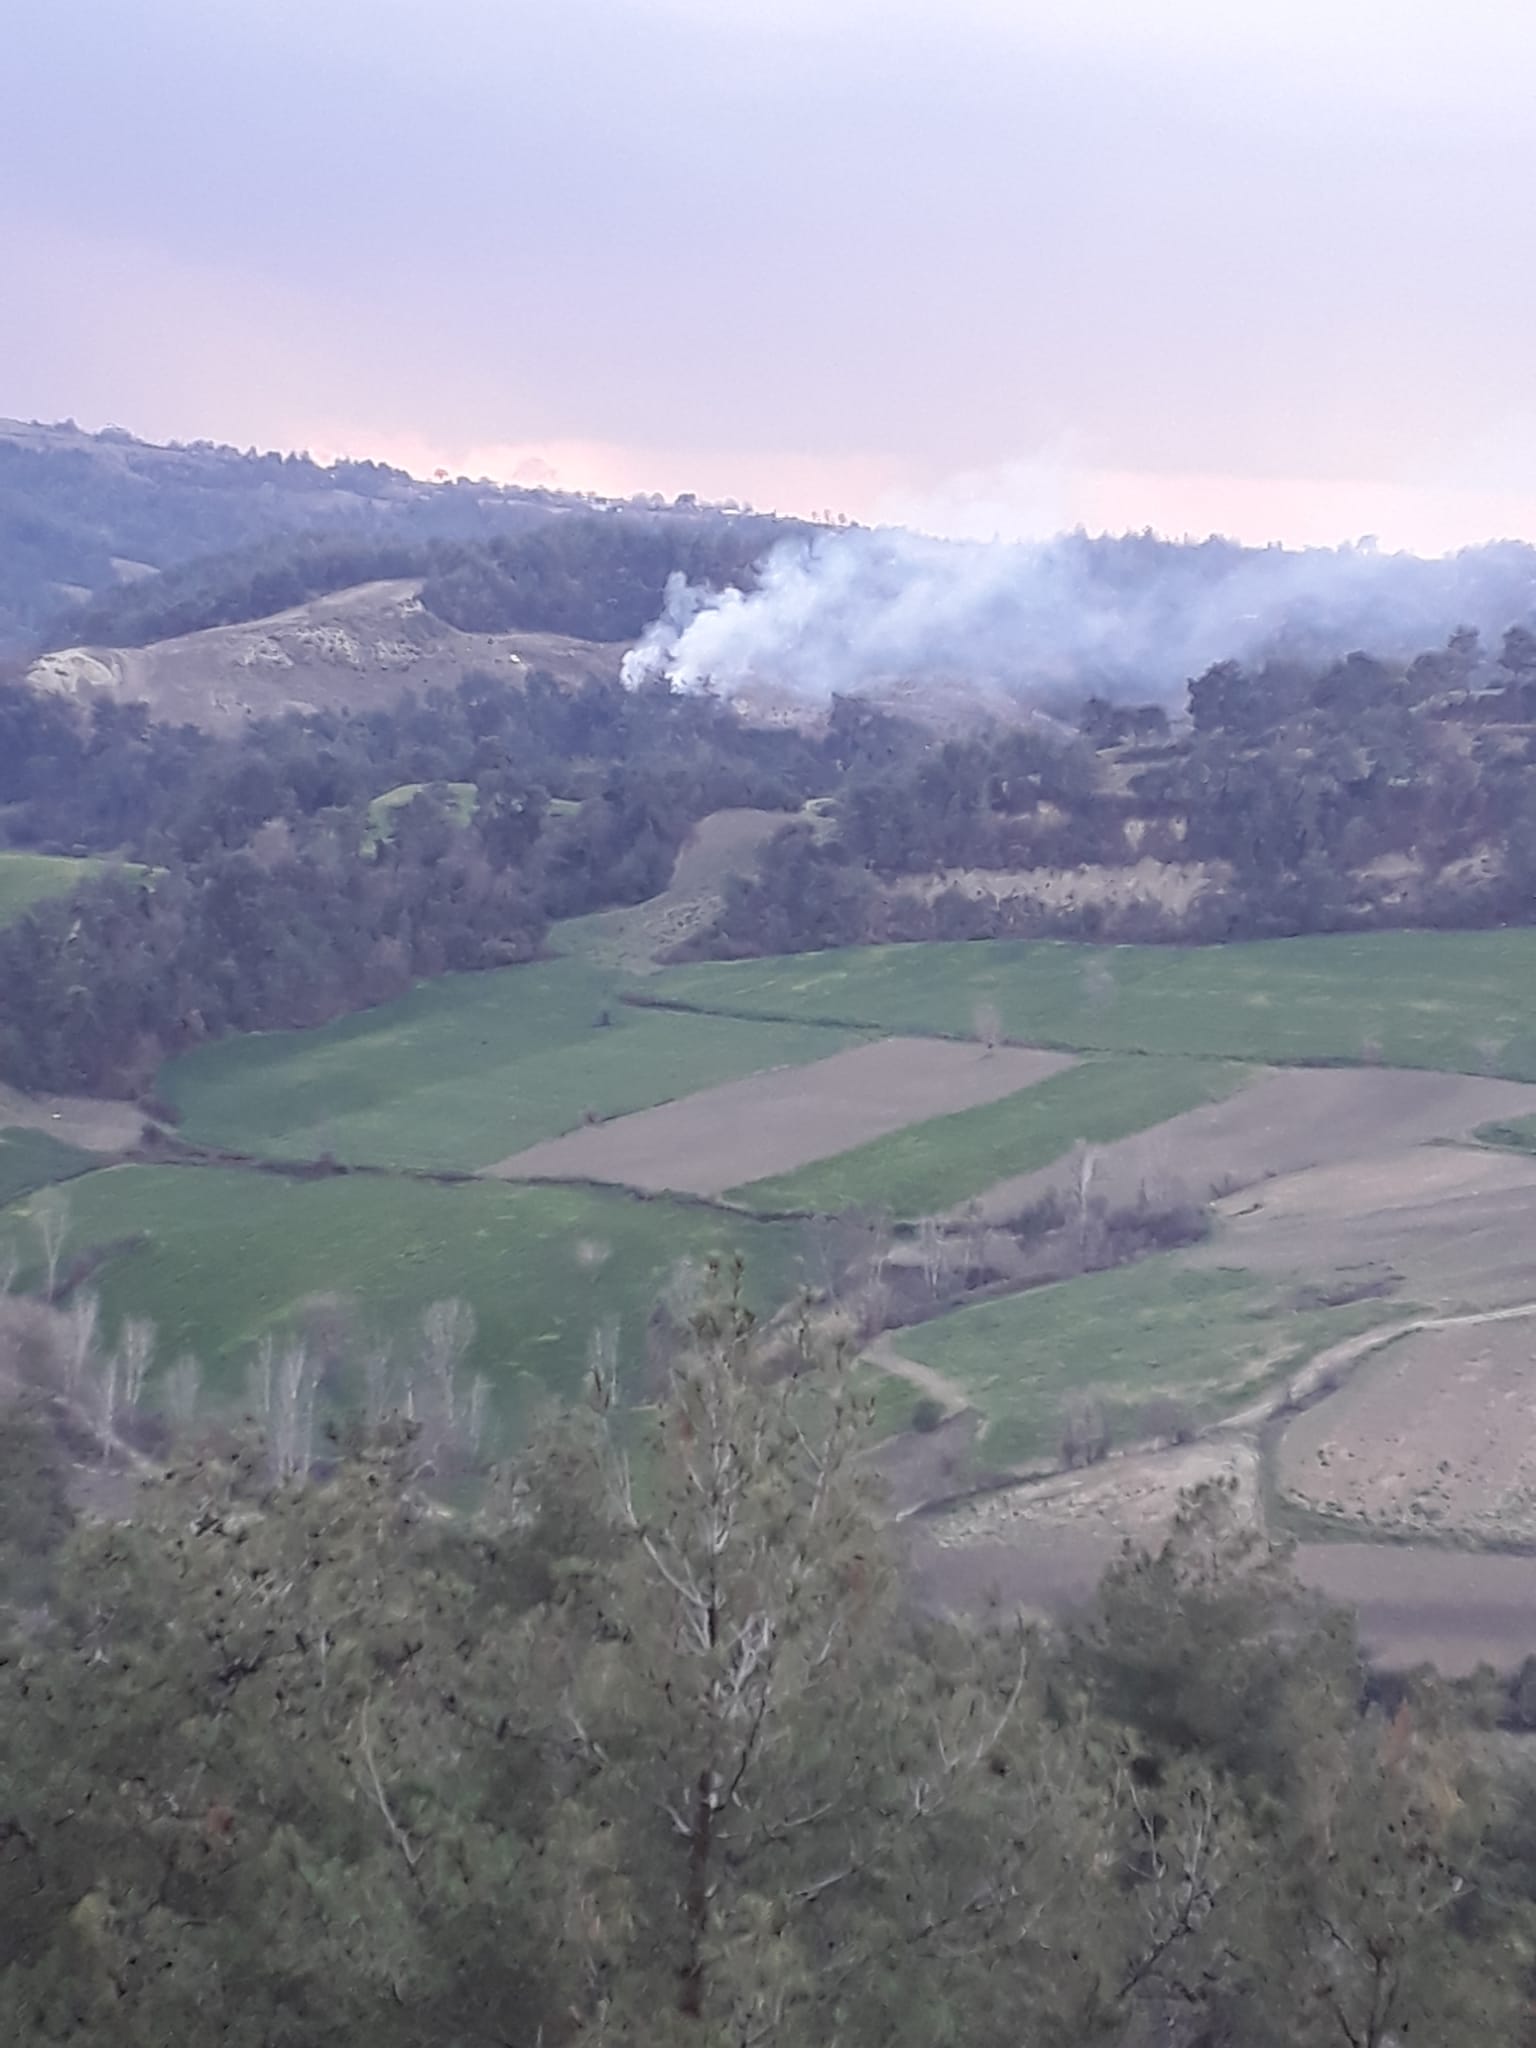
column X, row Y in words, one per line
column 1131, row 618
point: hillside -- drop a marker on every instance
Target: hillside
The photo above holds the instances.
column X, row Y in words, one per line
column 89, row 523
column 351, row 650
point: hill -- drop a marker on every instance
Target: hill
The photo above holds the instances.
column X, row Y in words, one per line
column 90, row 523
column 352, row 649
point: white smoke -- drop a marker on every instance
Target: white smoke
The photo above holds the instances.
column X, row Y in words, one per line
column 860, row 611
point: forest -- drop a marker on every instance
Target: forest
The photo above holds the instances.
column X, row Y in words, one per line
column 335, row 1730
column 1301, row 793
column 1305, row 790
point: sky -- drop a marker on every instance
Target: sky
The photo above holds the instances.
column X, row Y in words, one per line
column 986, row 266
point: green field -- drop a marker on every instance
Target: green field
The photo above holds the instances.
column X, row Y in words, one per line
column 34, row 1159
column 1206, row 1339
column 215, row 1257
column 466, row 1069
column 1464, row 1001
column 27, row 878
column 944, row 1162
column 1519, row 1135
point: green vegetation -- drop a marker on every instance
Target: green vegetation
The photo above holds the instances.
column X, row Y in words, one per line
column 1463, row 1001
column 298, row 1753
column 1206, row 1339
column 217, row 1257
column 462, row 801
column 28, row 878
column 33, row 1159
column 466, row 1069
column 941, row 1163
column 1519, row 1135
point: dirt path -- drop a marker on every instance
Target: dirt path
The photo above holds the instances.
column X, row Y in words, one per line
column 1339, row 1357
column 883, row 1353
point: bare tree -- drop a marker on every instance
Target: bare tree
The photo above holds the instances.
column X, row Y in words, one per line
column 1083, row 1165
column 1085, row 1432
column 382, row 1395
column 603, row 1358
column 931, row 1254
column 136, row 1349
column 183, row 1384
column 51, row 1220
column 108, row 1393
column 987, row 1023
column 81, row 1319
column 282, row 1388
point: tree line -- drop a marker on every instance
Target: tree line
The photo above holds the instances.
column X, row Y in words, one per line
column 270, row 903
column 643, row 1739
column 1306, row 789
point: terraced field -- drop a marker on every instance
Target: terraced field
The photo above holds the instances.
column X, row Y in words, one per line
column 1206, row 1341
column 944, row 1162
column 1459, row 1001
column 217, row 1257
column 468, row 1069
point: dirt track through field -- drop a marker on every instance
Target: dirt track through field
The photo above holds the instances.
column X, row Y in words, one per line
column 787, row 1118
column 1288, row 1120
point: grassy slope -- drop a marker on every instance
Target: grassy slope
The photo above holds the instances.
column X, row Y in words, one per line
column 26, row 878
column 1464, row 1001
column 34, row 1159
column 942, row 1163
column 1519, row 1135
column 466, row 1069
column 227, row 1255
column 1203, row 1338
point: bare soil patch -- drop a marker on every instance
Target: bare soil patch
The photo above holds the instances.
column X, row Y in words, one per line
column 639, row 938
column 353, row 648
column 1288, row 1120
column 1451, row 1225
column 1435, row 1436
column 786, row 1118
column 1452, row 1609
column 1044, row 1547
column 82, row 1120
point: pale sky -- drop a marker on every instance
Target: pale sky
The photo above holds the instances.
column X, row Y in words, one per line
column 1261, row 266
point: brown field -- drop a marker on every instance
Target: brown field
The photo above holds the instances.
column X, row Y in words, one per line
column 93, row 1125
column 355, row 648
column 1043, row 1547
column 1452, row 1609
column 787, row 1118
column 1432, row 1436
column 1286, row 1121
column 1453, row 1224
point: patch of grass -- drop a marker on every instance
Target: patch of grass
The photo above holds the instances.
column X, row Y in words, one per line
column 1516, row 1136
column 28, row 878
column 1209, row 1339
column 35, row 1159
column 467, row 1069
column 463, row 801
column 1459, row 1001
column 221, row 1256
column 943, row 1162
